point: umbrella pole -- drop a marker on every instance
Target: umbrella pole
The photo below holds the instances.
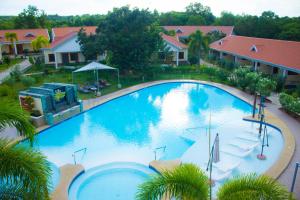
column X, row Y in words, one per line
column 97, row 83
column 119, row 85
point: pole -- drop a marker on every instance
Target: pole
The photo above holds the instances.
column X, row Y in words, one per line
column 295, row 176
column 119, row 85
column 260, row 125
column 209, row 134
column 254, row 105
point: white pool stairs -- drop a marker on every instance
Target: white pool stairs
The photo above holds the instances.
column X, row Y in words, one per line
column 243, row 146
column 225, row 166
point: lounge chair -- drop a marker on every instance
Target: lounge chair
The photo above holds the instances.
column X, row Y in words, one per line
column 245, row 147
column 83, row 90
column 226, row 166
column 243, row 154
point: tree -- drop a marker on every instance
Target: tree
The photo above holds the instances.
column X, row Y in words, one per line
column 12, row 38
column 31, row 17
column 197, row 43
column 130, row 37
column 226, row 19
column 184, row 182
column 189, row 182
column 87, row 45
column 265, row 87
column 203, row 11
column 24, row 172
column 252, row 187
column 39, row 42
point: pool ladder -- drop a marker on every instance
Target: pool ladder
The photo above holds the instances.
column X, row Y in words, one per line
column 75, row 152
column 159, row 148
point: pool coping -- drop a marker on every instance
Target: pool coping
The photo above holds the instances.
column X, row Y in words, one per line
column 274, row 171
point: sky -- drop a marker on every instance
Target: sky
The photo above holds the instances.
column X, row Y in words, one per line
column 77, row 7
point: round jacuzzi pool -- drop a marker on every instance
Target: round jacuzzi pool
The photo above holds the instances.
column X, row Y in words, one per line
column 112, row 181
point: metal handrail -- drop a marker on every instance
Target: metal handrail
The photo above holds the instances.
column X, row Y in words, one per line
column 158, row 148
column 79, row 150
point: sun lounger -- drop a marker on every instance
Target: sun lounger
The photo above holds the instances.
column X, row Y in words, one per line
column 226, row 166
column 245, row 147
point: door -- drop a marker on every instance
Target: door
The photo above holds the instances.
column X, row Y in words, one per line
column 20, row 48
column 65, row 58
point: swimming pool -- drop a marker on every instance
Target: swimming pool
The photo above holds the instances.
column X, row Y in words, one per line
column 171, row 115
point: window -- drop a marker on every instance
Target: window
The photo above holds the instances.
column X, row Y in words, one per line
column 181, row 55
column 178, row 31
column 51, row 57
column 253, row 48
column 292, row 73
column 74, row 56
column 29, row 35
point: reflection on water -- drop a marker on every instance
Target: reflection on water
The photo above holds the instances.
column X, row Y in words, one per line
column 129, row 128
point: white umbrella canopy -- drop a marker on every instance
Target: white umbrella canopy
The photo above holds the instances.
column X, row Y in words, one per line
column 95, row 66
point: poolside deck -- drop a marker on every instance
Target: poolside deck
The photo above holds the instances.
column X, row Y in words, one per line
column 68, row 173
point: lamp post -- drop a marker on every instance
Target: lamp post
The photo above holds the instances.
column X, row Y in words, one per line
column 295, row 176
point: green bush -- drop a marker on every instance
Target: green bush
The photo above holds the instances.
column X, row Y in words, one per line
column 31, row 60
column 6, row 60
column 239, row 77
column 4, row 90
column 27, row 80
column 290, row 103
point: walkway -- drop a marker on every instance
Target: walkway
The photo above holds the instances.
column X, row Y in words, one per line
column 24, row 65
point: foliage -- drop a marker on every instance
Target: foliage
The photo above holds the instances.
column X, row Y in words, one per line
column 6, row 91
column 290, row 103
column 24, row 172
column 215, row 35
column 239, row 77
column 252, row 79
column 197, row 9
column 252, row 187
column 184, row 182
column 12, row 38
column 197, row 44
column 39, row 42
column 87, row 45
column 6, row 60
column 130, row 37
column 59, row 95
column 265, row 86
column 27, row 80
column 12, row 115
column 31, row 17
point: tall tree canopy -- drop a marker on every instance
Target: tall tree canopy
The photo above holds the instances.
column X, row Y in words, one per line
column 31, row 17
column 130, row 37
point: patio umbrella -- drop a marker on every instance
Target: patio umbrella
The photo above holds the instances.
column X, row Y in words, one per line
column 216, row 156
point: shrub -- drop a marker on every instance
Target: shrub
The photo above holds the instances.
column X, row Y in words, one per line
column 6, row 60
column 27, row 80
column 31, row 60
column 239, row 77
column 265, row 86
column 290, row 103
column 4, row 90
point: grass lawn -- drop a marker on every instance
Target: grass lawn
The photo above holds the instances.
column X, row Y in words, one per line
column 127, row 79
column 14, row 61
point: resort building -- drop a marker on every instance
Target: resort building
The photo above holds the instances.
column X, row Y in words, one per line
column 64, row 48
column 22, row 43
column 265, row 55
column 176, row 43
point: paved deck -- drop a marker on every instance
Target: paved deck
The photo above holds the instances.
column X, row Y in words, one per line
column 67, row 174
column 163, row 165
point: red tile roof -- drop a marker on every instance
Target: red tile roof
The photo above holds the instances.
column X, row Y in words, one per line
column 277, row 52
column 188, row 30
column 174, row 41
column 24, row 35
column 62, row 34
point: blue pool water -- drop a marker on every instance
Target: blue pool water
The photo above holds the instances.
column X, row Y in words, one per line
column 112, row 181
column 174, row 115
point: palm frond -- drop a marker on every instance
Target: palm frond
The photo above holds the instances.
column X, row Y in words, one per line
column 252, row 187
column 23, row 165
column 12, row 115
column 184, row 182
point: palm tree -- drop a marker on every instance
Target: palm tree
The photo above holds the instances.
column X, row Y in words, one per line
column 189, row 182
column 184, row 182
column 12, row 37
column 24, row 172
column 39, row 42
column 253, row 187
column 197, row 43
